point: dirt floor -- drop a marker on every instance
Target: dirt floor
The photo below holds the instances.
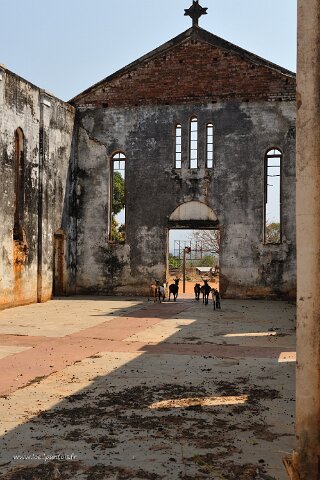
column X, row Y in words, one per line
column 110, row 388
column 214, row 283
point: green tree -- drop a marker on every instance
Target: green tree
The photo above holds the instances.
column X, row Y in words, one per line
column 272, row 232
column 117, row 231
column 207, row 261
column 174, row 262
column 118, row 204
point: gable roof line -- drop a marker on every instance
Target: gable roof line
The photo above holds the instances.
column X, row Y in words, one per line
column 195, row 32
column 148, row 56
column 231, row 47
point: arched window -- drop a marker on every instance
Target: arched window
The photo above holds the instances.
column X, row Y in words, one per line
column 118, row 204
column 18, row 186
column 272, row 227
column 193, row 162
column 209, row 148
column 178, row 152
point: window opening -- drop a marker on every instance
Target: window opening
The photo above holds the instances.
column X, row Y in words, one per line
column 209, row 155
column 194, row 143
column 273, row 197
column 118, row 210
column 178, row 158
column 19, row 186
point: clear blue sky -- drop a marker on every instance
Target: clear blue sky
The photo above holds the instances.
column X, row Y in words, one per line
column 65, row 46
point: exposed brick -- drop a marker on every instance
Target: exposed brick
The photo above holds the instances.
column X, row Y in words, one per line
column 191, row 71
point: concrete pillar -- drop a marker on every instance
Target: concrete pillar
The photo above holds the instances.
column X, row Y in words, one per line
column 305, row 463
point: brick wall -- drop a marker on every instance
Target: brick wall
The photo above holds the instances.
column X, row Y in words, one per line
column 191, row 71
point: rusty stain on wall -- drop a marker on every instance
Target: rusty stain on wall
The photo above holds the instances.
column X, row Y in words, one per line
column 23, row 105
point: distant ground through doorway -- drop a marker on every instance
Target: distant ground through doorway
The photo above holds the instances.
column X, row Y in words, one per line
column 200, row 250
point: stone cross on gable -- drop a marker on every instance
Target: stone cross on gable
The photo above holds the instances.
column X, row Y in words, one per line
column 195, row 12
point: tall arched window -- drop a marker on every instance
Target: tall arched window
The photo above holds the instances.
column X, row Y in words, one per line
column 193, row 162
column 272, row 227
column 18, row 186
column 178, row 151
column 209, row 147
column 118, row 203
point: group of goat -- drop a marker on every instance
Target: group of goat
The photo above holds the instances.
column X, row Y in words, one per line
column 157, row 292
column 206, row 290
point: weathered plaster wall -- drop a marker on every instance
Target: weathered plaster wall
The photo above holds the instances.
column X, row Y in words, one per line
column 47, row 125
column 19, row 108
column 234, row 189
column 67, row 173
column 58, row 125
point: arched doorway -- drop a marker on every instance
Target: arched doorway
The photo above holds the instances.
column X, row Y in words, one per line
column 59, row 263
column 193, row 252
column 193, row 215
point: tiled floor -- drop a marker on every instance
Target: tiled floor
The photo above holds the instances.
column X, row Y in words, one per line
column 83, row 377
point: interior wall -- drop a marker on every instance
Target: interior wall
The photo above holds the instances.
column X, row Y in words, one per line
column 26, row 264
column 234, row 189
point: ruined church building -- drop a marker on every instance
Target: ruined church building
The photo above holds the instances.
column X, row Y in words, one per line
column 194, row 125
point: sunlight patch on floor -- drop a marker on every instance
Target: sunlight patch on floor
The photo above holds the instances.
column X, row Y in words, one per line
column 254, row 334
column 201, row 402
column 287, row 357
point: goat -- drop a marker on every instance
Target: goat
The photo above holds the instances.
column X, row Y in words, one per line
column 155, row 292
column 205, row 290
column 197, row 291
column 174, row 289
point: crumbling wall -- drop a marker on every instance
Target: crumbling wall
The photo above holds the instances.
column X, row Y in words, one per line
column 251, row 104
column 26, row 262
column 234, row 189
column 58, row 126
column 67, row 172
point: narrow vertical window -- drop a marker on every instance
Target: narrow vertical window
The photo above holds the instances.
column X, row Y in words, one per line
column 118, row 210
column 194, row 143
column 209, row 153
column 18, row 186
column 178, row 158
column 272, row 230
